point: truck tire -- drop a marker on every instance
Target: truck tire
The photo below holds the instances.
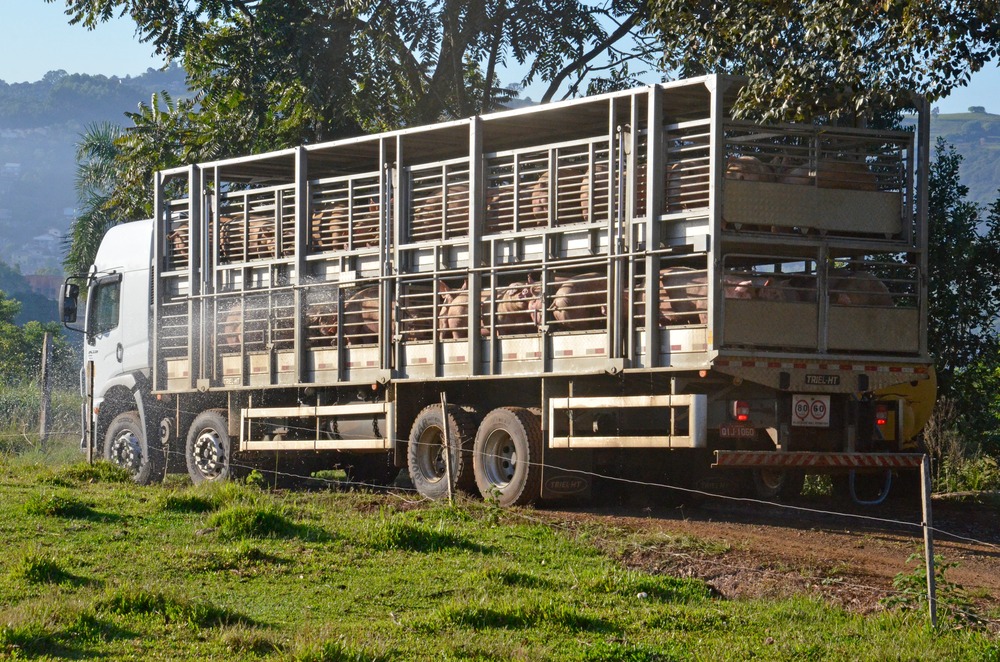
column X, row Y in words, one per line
column 507, row 456
column 208, row 450
column 425, row 451
column 773, row 484
column 127, row 445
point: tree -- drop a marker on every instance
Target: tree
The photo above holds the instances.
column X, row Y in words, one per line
column 810, row 58
column 310, row 70
column 96, row 179
column 964, row 289
column 21, row 348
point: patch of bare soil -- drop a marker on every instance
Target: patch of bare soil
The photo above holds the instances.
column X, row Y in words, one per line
column 746, row 550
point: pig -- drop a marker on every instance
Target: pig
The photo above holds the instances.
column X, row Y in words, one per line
column 748, row 169
column 833, row 174
column 533, row 203
column 329, row 227
column 361, row 318
column 513, row 314
column 686, row 183
column 859, row 288
column 499, row 208
column 684, row 294
column 453, row 315
column 788, row 289
column 427, row 213
column 576, row 303
column 230, row 333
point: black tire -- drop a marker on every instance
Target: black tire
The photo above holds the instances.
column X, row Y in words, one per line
column 425, row 456
column 127, row 445
column 507, row 456
column 775, row 484
column 208, row 451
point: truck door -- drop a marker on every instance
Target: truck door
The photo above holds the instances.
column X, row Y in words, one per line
column 104, row 335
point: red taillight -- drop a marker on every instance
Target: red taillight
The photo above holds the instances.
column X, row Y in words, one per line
column 881, row 414
column 741, row 411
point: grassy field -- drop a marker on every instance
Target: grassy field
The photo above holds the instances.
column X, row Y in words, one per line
column 95, row 567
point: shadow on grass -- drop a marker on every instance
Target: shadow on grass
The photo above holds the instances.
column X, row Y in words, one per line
column 139, row 602
column 518, row 616
column 239, row 522
column 75, row 641
column 58, row 505
column 393, row 534
column 46, row 570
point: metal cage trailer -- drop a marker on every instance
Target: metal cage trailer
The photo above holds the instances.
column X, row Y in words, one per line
column 620, row 284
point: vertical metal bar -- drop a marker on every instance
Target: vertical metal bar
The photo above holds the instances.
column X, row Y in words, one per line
column 654, row 203
column 716, row 166
column 197, row 341
column 89, row 405
column 477, row 218
column 925, row 493
column 303, row 226
column 159, row 232
column 923, row 175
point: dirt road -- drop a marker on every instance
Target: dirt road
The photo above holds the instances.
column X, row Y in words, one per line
column 751, row 550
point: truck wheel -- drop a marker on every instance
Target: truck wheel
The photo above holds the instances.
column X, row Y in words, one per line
column 127, row 445
column 208, row 450
column 778, row 483
column 425, row 451
column 507, row 456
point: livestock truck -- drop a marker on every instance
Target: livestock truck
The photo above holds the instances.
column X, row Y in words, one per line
column 634, row 284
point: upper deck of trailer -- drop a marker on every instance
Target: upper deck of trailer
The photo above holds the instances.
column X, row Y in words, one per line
column 343, row 261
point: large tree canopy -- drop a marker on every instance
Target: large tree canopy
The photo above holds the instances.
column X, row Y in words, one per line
column 314, row 69
column 836, row 58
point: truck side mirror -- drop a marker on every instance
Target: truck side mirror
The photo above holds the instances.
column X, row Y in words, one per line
column 68, row 303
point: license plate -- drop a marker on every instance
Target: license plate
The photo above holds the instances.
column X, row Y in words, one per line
column 737, row 431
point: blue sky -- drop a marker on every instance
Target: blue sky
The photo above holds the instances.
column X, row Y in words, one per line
column 37, row 38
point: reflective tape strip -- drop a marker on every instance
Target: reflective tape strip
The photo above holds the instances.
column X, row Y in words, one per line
column 798, row 365
column 817, row 460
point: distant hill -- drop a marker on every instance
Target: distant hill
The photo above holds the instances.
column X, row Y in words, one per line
column 40, row 125
column 976, row 136
column 37, row 300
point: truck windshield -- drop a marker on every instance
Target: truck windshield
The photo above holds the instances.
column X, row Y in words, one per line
column 106, row 303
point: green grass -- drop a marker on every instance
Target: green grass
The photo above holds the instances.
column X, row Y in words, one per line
column 97, row 568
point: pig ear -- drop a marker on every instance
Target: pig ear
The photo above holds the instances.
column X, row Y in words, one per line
column 464, row 285
column 443, row 286
column 530, row 280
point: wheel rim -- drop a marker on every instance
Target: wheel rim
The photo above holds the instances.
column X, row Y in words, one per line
column 499, row 458
column 126, row 451
column 209, row 454
column 430, row 454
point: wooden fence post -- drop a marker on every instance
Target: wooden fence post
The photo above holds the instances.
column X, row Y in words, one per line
column 447, row 447
column 925, row 490
column 44, row 415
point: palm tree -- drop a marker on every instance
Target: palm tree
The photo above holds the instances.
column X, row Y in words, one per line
column 96, row 175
